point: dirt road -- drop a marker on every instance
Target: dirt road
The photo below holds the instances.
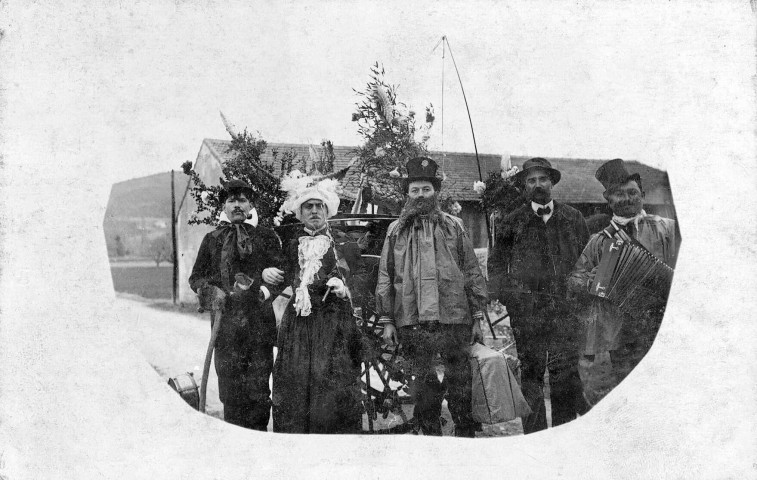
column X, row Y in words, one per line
column 174, row 342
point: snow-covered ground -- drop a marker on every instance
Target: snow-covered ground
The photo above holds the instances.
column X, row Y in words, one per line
column 175, row 342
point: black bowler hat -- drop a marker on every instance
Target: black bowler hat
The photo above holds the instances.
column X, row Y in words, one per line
column 422, row 169
column 235, row 187
column 615, row 173
column 541, row 163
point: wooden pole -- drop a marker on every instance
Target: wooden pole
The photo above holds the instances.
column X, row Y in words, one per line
column 173, row 239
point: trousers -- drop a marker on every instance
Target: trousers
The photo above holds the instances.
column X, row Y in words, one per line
column 425, row 347
column 566, row 390
column 546, row 336
column 246, row 395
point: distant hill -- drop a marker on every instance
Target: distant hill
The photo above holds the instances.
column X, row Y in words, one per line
column 139, row 212
column 145, row 197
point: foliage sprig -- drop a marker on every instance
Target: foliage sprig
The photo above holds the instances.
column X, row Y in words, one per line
column 245, row 164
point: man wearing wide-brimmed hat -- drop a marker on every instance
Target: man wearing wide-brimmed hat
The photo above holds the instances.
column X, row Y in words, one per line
column 430, row 297
column 535, row 248
column 607, row 328
column 228, row 275
column 315, row 378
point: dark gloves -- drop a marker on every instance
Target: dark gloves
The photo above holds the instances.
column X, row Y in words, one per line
column 245, row 290
column 212, row 297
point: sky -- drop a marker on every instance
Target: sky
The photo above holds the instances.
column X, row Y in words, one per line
column 141, row 84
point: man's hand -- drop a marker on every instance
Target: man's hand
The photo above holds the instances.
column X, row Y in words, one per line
column 497, row 307
column 390, row 335
column 477, row 336
column 273, row 275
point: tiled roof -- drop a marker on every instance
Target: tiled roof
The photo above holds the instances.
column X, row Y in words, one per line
column 461, row 170
column 343, row 156
column 577, row 184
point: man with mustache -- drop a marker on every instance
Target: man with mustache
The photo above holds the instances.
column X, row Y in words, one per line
column 227, row 274
column 315, row 378
column 430, row 297
column 535, row 248
column 607, row 328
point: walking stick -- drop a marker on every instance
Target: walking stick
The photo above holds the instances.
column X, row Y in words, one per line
column 491, row 325
column 369, row 407
column 215, row 319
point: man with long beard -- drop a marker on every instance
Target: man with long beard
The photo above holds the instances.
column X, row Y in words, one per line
column 535, row 248
column 430, row 297
column 607, row 328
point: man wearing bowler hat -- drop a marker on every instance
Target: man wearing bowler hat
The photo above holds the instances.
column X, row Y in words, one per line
column 535, row 248
column 228, row 275
column 607, row 328
column 430, row 297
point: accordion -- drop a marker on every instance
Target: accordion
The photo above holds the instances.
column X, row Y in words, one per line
column 631, row 277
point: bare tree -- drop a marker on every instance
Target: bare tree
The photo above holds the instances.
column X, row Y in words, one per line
column 161, row 250
column 120, row 248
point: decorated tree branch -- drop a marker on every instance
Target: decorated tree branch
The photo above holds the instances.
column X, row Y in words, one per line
column 500, row 193
column 392, row 135
column 245, row 164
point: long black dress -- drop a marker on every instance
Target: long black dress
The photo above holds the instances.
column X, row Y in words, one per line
column 315, row 377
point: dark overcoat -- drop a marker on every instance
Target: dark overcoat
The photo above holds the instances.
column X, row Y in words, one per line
column 247, row 325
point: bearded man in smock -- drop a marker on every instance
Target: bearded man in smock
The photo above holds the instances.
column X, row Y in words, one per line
column 607, row 328
column 430, row 298
column 315, row 378
column 227, row 275
column 535, row 248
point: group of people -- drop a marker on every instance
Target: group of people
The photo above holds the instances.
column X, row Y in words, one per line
column 431, row 298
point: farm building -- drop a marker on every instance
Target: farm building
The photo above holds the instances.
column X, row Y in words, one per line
column 577, row 187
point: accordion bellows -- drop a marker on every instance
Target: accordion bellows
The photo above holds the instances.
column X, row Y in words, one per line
column 631, row 277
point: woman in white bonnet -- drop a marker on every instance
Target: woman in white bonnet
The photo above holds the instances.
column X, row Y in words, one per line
column 315, row 378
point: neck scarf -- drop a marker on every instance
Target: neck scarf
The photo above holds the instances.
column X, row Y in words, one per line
column 623, row 221
column 237, row 243
column 310, row 252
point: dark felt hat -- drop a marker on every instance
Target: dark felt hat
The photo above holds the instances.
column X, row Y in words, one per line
column 235, row 186
column 541, row 163
column 422, row 169
column 615, row 173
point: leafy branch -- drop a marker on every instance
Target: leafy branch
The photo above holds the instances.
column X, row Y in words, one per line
column 245, row 164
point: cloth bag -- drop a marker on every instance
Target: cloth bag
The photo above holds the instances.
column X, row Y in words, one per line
column 496, row 396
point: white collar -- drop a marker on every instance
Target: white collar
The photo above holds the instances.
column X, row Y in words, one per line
column 320, row 231
column 252, row 221
column 535, row 206
column 551, row 205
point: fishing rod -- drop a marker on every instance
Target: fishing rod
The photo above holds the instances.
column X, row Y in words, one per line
column 470, row 121
column 444, row 41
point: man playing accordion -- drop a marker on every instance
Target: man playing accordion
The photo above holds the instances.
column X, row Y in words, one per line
column 611, row 324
